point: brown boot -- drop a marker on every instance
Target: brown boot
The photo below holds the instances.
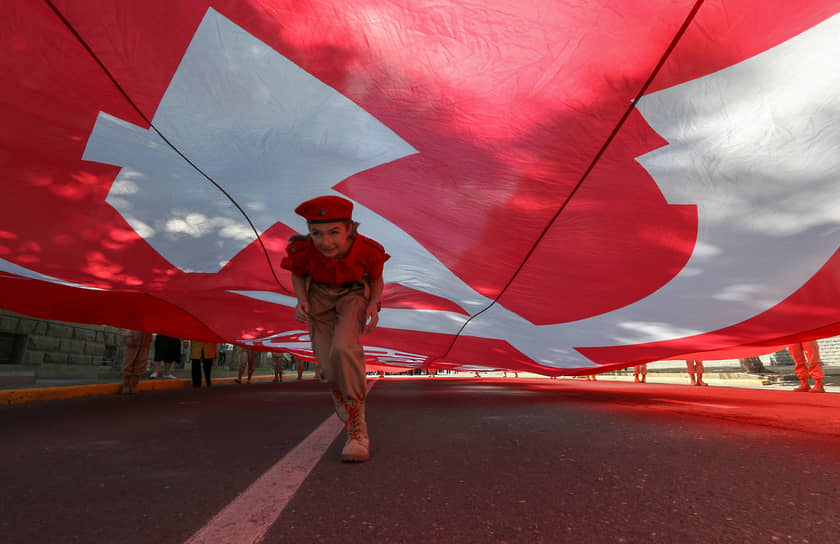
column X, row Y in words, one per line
column 340, row 406
column 818, row 387
column 357, row 447
column 693, row 379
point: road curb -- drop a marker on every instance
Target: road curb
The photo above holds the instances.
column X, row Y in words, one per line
column 34, row 394
column 19, row 396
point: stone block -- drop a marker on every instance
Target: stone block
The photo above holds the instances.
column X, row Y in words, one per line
column 110, row 354
column 33, row 357
column 78, row 359
column 29, row 326
column 781, row 357
column 96, row 350
column 60, row 331
column 87, row 335
column 72, row 346
column 830, row 350
column 8, row 324
column 55, row 357
column 43, row 343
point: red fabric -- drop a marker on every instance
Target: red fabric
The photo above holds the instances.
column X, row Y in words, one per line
column 525, row 185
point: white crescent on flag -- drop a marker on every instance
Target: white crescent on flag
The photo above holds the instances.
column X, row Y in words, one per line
column 563, row 188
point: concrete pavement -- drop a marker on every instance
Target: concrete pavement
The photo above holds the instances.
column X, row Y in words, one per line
column 469, row 460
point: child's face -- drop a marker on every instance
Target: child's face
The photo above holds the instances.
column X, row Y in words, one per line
column 331, row 239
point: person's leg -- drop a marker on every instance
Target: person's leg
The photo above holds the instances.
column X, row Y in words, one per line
column 208, row 367
column 277, row 362
column 338, row 347
column 800, row 366
column 172, row 351
column 347, row 352
column 154, row 374
column 252, row 363
column 815, row 365
column 196, row 372
column 243, row 360
column 321, row 327
column 139, row 370
column 336, row 339
column 689, row 366
column 127, row 371
column 141, row 359
column 699, row 368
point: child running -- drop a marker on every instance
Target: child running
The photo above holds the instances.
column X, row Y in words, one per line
column 337, row 277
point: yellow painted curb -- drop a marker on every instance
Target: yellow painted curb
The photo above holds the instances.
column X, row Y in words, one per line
column 161, row 385
column 20, row 396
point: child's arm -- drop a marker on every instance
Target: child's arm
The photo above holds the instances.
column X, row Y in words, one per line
column 372, row 312
column 302, row 308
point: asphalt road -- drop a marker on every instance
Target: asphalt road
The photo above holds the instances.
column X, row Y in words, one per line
column 454, row 460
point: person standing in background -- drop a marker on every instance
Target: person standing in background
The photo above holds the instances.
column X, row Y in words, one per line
column 811, row 366
column 168, row 351
column 247, row 357
column 640, row 370
column 202, row 355
column 278, row 360
column 695, row 372
column 299, row 364
column 136, row 358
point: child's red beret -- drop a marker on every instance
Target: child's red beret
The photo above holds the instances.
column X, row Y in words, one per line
column 325, row 209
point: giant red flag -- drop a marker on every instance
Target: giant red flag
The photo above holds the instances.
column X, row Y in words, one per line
column 564, row 187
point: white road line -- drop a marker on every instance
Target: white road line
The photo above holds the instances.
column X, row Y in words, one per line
column 254, row 511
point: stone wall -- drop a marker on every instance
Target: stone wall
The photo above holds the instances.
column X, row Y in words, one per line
column 830, row 350
column 29, row 341
column 829, row 353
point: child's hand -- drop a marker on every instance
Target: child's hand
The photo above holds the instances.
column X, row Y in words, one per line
column 371, row 318
column 302, row 311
